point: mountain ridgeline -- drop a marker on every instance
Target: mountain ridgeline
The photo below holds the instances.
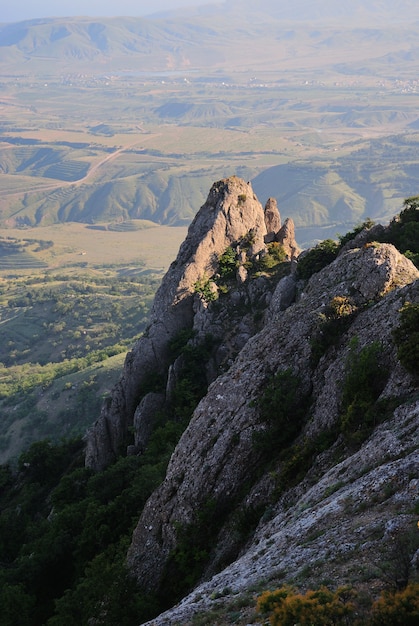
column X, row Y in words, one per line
column 293, row 376
column 257, row 459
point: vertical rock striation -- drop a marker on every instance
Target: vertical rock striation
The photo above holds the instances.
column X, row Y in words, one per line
column 230, row 214
column 216, row 460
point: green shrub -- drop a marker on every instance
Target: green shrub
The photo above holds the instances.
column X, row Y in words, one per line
column 333, row 323
column 365, row 378
column 192, row 384
column 179, row 341
column 206, row 289
column 227, row 263
column 283, row 408
column 406, row 337
column 403, row 231
column 194, row 544
column 343, row 239
column 274, row 257
column 317, row 258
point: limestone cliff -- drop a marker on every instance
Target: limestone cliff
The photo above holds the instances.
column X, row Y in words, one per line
column 303, row 452
column 231, row 216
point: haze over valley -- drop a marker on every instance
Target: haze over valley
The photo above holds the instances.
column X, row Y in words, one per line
column 111, row 119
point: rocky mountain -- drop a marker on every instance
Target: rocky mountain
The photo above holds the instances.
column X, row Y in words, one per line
column 299, row 460
column 231, row 219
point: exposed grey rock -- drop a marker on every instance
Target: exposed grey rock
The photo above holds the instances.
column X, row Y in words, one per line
column 366, row 235
column 337, row 527
column 284, row 294
column 216, row 456
column 231, row 213
column 272, row 220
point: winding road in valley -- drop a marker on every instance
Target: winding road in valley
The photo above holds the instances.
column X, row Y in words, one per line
column 76, row 183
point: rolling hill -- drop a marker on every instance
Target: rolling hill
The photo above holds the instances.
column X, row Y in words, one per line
column 126, row 118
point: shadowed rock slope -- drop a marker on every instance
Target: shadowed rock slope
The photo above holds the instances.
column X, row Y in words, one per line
column 300, row 462
column 231, row 221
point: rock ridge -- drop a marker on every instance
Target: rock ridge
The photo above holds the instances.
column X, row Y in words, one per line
column 216, row 455
column 341, row 473
column 231, row 215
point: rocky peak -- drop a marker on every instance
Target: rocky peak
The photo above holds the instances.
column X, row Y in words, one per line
column 286, row 237
column 230, row 216
column 282, row 234
column 272, row 220
column 284, row 474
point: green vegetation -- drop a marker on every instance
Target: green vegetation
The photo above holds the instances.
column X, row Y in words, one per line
column 79, row 524
column 317, row 258
column 275, row 257
column 192, row 384
column 65, row 531
column 228, row 263
column 367, row 224
column 323, row 607
column 336, row 319
column 273, row 265
column 406, row 337
column 194, row 543
column 403, row 231
column 365, row 378
column 63, row 337
column 283, row 407
column 207, row 289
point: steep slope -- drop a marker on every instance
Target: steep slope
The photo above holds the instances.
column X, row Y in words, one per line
column 218, row 460
column 300, row 461
column 232, row 219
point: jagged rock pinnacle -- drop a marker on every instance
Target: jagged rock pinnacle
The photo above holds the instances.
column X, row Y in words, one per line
column 229, row 214
column 272, row 220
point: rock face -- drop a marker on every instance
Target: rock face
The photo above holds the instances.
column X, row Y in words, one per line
column 272, row 220
column 216, row 458
column 319, row 535
column 231, row 216
column 322, row 466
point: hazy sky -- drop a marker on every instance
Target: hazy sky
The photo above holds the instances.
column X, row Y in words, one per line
column 16, row 10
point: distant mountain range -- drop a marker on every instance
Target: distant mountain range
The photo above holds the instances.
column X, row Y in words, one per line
column 208, row 36
column 259, row 52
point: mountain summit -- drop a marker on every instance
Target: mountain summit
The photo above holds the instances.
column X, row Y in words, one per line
column 232, row 219
column 294, row 378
